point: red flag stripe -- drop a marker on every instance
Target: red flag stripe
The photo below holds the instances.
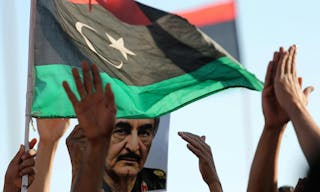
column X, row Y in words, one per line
column 211, row 14
column 83, row 1
column 117, row 7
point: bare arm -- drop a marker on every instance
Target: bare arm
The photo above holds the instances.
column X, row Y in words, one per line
column 96, row 115
column 76, row 144
column 288, row 88
column 264, row 168
column 50, row 131
column 198, row 146
column 90, row 175
column 307, row 131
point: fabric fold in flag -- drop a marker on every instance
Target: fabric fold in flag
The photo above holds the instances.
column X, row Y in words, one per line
column 154, row 65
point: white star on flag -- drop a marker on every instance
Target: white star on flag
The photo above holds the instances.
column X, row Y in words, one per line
column 119, row 45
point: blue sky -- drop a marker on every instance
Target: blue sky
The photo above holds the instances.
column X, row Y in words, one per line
column 231, row 120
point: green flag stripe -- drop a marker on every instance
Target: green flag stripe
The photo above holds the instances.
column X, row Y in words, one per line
column 137, row 101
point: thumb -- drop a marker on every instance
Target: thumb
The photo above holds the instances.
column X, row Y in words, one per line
column 16, row 159
column 307, row 92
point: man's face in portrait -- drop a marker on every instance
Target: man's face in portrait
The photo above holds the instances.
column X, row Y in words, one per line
column 129, row 146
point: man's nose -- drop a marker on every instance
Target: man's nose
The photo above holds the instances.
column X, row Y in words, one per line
column 133, row 143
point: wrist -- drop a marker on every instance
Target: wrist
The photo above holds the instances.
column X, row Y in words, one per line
column 97, row 143
column 48, row 144
column 272, row 135
column 98, row 138
column 48, row 141
column 275, row 127
column 215, row 186
column 296, row 109
column 96, row 150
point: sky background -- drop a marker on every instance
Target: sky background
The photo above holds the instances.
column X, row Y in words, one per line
column 231, row 120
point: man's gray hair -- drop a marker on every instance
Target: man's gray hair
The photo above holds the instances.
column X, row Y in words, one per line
column 156, row 124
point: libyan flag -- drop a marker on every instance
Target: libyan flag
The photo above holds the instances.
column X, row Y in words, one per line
column 156, row 62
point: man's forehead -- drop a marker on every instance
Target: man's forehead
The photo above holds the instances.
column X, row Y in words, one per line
column 136, row 122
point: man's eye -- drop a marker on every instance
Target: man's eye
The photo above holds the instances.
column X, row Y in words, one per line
column 120, row 132
column 145, row 133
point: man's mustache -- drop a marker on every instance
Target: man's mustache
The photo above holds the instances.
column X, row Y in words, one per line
column 129, row 155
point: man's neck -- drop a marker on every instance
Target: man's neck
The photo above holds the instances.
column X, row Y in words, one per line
column 116, row 183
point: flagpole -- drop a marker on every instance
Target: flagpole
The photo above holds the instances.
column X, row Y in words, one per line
column 29, row 94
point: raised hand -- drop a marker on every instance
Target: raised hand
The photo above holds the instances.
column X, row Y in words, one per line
column 96, row 109
column 202, row 150
column 288, row 86
column 96, row 116
column 275, row 116
column 288, row 89
column 52, row 129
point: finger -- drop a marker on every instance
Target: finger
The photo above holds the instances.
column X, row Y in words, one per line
column 282, row 64
column 110, row 99
column 194, row 150
column 189, row 137
column 29, row 154
column 32, row 143
column 193, row 140
column 87, row 78
column 277, row 65
column 294, row 61
column 16, row 159
column 188, row 134
column 27, row 171
column 276, row 57
column 268, row 81
column 288, row 68
column 26, row 164
column 281, row 51
column 70, row 94
column 275, row 61
column 79, row 85
column 96, row 78
column 198, row 152
column 205, row 147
